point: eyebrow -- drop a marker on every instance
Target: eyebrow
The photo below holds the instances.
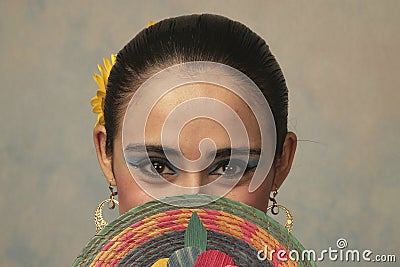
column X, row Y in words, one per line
column 150, row 148
column 162, row 150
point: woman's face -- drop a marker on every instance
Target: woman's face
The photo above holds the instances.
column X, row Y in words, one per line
column 131, row 171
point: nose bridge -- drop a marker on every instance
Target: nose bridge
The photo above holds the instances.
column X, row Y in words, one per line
column 193, row 181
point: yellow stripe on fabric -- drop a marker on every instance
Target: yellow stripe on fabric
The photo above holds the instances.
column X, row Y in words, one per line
column 227, row 223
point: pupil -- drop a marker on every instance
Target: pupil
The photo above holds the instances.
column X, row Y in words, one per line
column 158, row 167
column 227, row 168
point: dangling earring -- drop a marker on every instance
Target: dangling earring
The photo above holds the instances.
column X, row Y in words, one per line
column 98, row 214
column 275, row 207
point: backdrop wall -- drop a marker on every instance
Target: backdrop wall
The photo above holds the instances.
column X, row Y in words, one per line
column 341, row 63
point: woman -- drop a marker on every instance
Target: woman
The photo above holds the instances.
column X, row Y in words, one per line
column 193, row 105
column 224, row 50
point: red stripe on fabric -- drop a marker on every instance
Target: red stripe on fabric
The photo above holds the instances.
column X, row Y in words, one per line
column 166, row 224
column 207, row 216
column 275, row 260
column 173, row 212
column 136, row 224
column 109, row 244
column 115, row 262
column 128, row 236
column 213, row 212
column 178, row 227
column 166, row 218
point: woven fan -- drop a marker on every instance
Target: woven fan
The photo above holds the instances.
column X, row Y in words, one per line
column 222, row 233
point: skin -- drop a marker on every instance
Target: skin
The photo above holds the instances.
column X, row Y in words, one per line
column 130, row 194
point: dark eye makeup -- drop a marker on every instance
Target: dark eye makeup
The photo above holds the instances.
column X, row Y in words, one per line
column 160, row 166
column 233, row 168
column 153, row 166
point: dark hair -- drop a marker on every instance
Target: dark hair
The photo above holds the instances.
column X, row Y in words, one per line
column 194, row 38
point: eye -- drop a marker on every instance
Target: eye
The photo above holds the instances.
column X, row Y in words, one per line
column 155, row 166
column 232, row 168
column 162, row 167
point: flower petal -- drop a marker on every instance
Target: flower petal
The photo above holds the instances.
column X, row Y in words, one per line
column 104, row 74
column 151, row 23
column 113, row 59
column 101, row 93
column 97, row 109
column 107, row 64
column 184, row 257
column 160, row 263
column 213, row 258
column 196, row 234
column 99, row 81
column 101, row 119
column 94, row 100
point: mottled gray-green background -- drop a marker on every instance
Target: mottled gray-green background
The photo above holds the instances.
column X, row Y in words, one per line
column 341, row 62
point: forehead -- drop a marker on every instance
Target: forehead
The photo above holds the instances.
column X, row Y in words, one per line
column 211, row 95
column 186, row 104
column 193, row 112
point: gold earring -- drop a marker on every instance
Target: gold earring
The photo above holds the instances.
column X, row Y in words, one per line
column 98, row 214
column 275, row 207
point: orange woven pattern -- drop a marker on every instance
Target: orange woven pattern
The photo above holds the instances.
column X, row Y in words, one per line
column 175, row 220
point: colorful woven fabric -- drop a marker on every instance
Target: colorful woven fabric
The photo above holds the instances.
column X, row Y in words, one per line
column 154, row 230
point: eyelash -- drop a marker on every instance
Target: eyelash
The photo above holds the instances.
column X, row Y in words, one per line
column 150, row 162
column 249, row 166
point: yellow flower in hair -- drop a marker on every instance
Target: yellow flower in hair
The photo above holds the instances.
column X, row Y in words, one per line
column 101, row 81
column 151, row 23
